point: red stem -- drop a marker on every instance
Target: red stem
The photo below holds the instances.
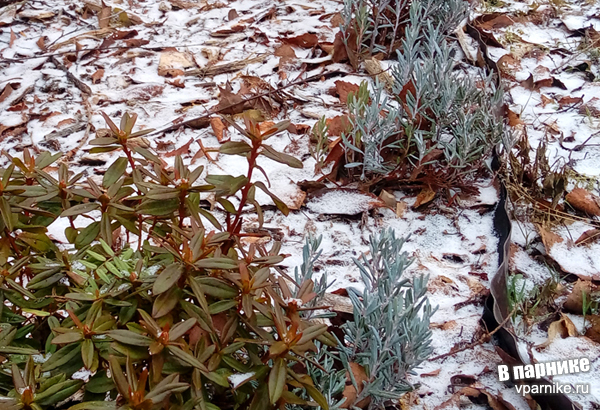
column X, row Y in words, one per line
column 233, row 228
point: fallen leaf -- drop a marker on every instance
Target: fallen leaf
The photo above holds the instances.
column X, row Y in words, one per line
column 218, row 128
column 514, row 119
column 336, row 126
column 546, row 100
column 184, row 149
column 563, row 328
column 344, row 88
column 588, row 236
column 584, row 201
column 569, row 101
column 425, row 196
column 104, row 16
column 401, row 209
column 6, row 92
column 431, row 374
column 305, row 40
column 493, row 21
column 232, row 15
column 41, row 43
column 285, row 51
column 574, row 301
column 97, row 76
column 64, row 122
column 176, row 83
column 549, row 238
column 173, row 63
column 13, row 37
column 388, row 199
column 593, row 332
column 350, row 393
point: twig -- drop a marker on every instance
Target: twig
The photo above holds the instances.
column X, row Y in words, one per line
column 484, row 338
column 83, row 87
column 215, row 110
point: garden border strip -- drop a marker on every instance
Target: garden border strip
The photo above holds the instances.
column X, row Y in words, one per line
column 496, row 306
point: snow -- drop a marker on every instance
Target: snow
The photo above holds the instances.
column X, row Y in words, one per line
column 239, row 378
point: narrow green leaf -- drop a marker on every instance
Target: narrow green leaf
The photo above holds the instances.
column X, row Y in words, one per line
column 114, row 172
column 167, row 278
column 80, row 209
column 129, row 337
column 277, row 380
column 280, row 157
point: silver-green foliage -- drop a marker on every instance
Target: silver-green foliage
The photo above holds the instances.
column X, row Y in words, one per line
column 458, row 110
column 378, row 24
column 390, row 334
column 374, row 127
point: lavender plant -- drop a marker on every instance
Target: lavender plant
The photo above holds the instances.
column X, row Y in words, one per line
column 390, row 334
column 377, row 26
column 440, row 125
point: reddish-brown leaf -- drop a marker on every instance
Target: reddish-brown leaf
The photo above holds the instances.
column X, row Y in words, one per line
column 566, row 100
column 184, row 149
column 338, row 125
column 588, row 236
column 285, row 51
column 104, row 16
column 97, row 76
column 305, row 40
column 425, row 196
column 6, row 92
column 584, row 201
column 13, row 37
column 66, row 121
column 218, row 128
column 344, row 88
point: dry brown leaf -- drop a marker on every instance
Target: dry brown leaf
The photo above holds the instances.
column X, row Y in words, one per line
column 514, row 119
column 493, row 21
column 388, row 199
column 178, row 82
column 401, row 208
column 6, row 92
column 338, row 125
column 41, row 43
column 184, row 149
column 546, row 100
column 285, row 51
column 218, row 128
column 588, row 236
column 549, row 238
column 344, row 88
column 584, row 201
column 431, row 374
column 97, row 76
column 230, row 103
column 574, row 302
column 232, row 15
column 104, row 16
column 350, row 392
column 569, row 101
column 13, row 37
column 173, row 63
column 425, row 196
column 563, row 328
column 296, row 200
column 305, row 40
column 64, row 122
column 593, row 332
